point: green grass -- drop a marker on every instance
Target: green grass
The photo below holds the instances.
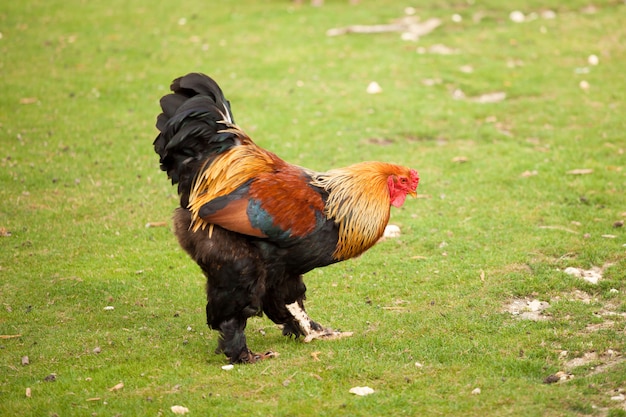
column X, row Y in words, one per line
column 80, row 85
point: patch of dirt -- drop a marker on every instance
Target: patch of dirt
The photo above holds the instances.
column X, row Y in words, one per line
column 528, row 309
column 586, row 359
column 593, row 275
column 576, row 295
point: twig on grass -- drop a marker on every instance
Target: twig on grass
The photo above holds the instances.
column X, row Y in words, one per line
column 564, row 229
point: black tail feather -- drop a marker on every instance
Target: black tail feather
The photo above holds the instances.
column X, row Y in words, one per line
column 191, row 126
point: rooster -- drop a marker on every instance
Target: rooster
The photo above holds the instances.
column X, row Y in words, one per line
column 255, row 223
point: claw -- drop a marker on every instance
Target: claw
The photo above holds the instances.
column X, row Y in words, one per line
column 267, row 355
column 255, row 357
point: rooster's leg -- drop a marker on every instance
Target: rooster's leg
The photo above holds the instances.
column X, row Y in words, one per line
column 284, row 305
column 232, row 343
column 310, row 329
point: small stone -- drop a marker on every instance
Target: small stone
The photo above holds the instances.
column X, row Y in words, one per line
column 229, row 367
column 476, row 391
column 361, row 391
column 25, row 360
column 179, row 409
column 374, row 88
column 391, row 231
column 517, row 16
column 593, row 60
column 97, row 350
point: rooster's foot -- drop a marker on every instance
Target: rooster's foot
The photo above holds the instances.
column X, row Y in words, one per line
column 262, row 356
column 251, row 357
column 310, row 329
column 327, row 334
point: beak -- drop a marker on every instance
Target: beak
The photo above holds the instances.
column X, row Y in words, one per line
column 413, row 194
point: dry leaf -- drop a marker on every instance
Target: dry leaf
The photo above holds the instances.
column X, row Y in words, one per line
column 25, row 360
column 580, row 171
column 4, row 232
column 564, row 229
column 315, row 356
column 564, row 376
column 494, row 97
column 117, row 387
column 28, row 100
column 437, row 49
column 406, row 24
column 460, row 159
column 9, row 336
column 156, row 224
column 28, row 392
column 361, row 391
column 527, row 174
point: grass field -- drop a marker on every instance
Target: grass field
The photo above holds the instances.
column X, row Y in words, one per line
column 517, row 130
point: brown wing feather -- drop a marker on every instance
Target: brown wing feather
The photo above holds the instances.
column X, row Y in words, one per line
column 289, row 199
column 234, row 217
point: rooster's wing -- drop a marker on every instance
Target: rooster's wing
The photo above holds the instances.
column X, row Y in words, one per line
column 277, row 202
